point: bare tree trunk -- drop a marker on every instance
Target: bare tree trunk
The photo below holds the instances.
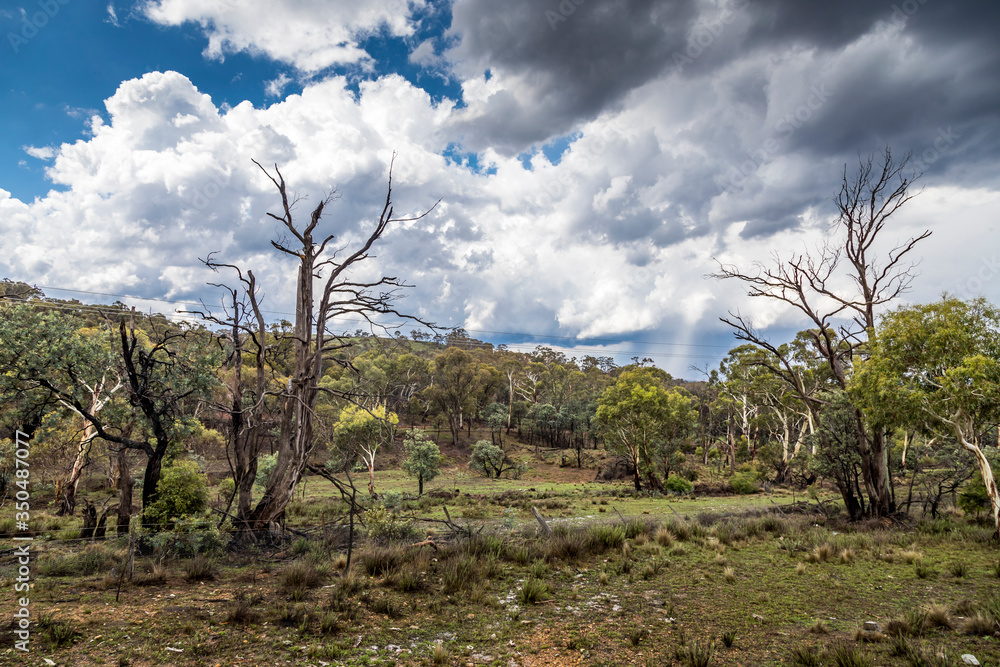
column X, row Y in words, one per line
column 124, row 492
column 311, row 341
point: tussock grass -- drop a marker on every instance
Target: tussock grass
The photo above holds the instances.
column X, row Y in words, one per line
column 937, row 616
column 696, row 654
column 664, row 537
column 978, row 624
column 533, row 591
column 806, row 656
column 378, row 561
column 849, row 656
column 300, row 575
column 819, row 627
column 200, row 568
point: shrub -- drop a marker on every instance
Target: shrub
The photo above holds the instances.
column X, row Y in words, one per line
column 189, row 537
column 226, row 488
column 384, row 524
column 973, row 498
column 679, row 485
column 744, row 483
column 181, row 493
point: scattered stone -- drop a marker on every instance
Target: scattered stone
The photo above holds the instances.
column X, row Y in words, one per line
column 872, row 626
column 969, row 659
column 757, row 616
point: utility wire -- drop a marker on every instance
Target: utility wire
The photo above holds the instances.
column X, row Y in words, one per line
column 589, row 341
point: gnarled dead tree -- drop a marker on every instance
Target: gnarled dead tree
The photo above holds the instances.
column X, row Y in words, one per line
column 325, row 290
column 810, row 283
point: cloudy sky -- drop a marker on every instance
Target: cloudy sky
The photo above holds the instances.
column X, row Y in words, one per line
column 593, row 158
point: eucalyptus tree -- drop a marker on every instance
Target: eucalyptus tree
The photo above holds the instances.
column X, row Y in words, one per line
column 937, row 367
column 637, row 414
column 812, row 283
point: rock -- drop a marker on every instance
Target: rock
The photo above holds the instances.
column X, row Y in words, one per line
column 969, row 659
column 872, row 626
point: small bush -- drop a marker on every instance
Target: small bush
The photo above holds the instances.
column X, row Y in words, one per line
column 678, row 485
column 182, row 492
column 744, row 483
column 386, row 525
column 728, row 638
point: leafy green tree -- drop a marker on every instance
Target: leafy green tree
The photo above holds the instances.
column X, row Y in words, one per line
column 637, row 414
column 359, row 433
column 490, row 461
column 937, row 367
column 423, row 459
column 458, row 380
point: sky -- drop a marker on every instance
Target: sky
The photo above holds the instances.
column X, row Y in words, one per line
column 594, row 160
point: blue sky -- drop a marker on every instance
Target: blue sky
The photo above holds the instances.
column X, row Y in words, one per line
column 594, row 161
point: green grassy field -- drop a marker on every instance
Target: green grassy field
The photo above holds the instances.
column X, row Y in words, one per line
column 762, row 579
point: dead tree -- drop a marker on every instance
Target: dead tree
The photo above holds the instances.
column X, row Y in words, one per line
column 248, row 407
column 338, row 294
column 808, row 282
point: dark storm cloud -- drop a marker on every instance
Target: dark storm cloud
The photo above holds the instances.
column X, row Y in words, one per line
column 576, row 57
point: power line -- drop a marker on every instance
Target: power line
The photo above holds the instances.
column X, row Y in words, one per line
column 581, row 343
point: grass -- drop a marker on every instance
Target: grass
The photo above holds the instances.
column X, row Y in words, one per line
column 200, row 568
column 533, row 591
column 649, row 589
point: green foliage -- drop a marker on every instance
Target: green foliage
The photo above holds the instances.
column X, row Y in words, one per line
column 973, row 498
column 641, row 419
column 679, row 485
column 744, row 483
column 490, row 460
column 423, row 459
column 265, row 467
column 384, row 524
column 226, row 488
column 189, row 537
column 533, row 591
column 181, row 493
